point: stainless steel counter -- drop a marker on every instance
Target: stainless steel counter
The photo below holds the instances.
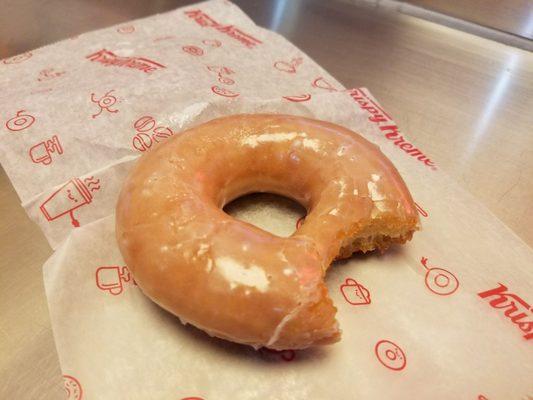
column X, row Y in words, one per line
column 465, row 100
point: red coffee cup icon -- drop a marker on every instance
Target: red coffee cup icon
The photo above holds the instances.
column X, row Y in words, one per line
column 69, row 197
column 41, row 152
column 112, row 279
column 355, row 293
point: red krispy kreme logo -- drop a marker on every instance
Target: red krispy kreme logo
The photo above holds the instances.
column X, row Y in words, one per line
column 517, row 310
column 387, row 126
column 108, row 58
column 206, row 21
column 390, row 355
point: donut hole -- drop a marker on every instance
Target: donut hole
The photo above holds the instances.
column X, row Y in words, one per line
column 271, row 212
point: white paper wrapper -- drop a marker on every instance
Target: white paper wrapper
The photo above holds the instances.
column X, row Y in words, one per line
column 446, row 316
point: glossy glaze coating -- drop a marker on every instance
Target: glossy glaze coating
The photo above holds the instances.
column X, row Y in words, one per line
column 236, row 281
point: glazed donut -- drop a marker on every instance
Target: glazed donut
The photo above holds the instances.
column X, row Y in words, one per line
column 230, row 278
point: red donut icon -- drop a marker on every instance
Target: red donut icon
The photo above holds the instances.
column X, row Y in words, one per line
column 223, row 92
column 298, row 98
column 18, row 58
column 126, row 29
column 193, row 50
column 390, row 355
column 73, row 388
column 439, row 280
column 20, row 121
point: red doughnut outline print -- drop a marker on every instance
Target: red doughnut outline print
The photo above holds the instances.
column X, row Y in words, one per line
column 390, row 355
column 73, row 388
column 20, row 121
column 439, row 280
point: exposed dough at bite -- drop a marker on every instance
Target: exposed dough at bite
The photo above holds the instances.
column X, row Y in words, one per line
column 232, row 279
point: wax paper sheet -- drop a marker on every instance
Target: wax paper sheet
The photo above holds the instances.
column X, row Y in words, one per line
column 446, row 316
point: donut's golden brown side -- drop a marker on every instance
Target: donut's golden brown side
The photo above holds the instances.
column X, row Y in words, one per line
column 232, row 279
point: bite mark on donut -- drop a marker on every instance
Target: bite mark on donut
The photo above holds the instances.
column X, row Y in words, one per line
column 284, row 321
